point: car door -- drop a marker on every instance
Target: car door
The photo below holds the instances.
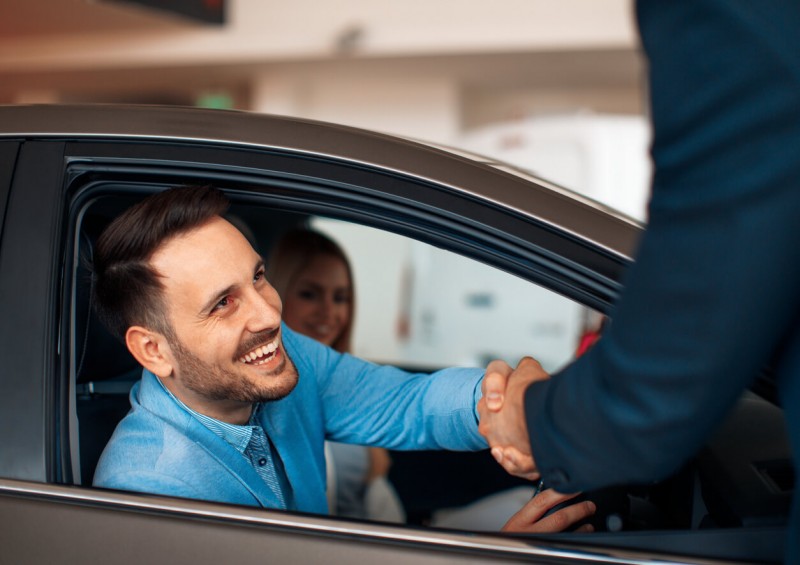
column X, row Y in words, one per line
column 56, row 182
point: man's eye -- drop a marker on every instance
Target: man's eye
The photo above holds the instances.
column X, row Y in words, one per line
column 222, row 303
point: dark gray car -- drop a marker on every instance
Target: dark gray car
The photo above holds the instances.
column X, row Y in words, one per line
column 65, row 172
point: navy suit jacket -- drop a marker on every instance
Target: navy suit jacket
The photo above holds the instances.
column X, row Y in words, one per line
column 714, row 294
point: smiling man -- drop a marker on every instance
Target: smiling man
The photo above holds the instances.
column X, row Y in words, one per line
column 233, row 406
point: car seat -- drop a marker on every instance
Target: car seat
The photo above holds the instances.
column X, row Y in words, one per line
column 104, row 369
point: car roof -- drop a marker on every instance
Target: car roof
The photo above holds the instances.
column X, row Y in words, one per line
column 485, row 178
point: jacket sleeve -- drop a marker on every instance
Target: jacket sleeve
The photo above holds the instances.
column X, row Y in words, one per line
column 714, row 290
column 384, row 406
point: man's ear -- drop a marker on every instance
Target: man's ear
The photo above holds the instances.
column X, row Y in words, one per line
column 151, row 350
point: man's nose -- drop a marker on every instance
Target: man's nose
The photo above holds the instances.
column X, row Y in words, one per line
column 264, row 312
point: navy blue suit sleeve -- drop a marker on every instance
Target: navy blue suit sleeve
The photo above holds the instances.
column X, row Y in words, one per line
column 715, row 290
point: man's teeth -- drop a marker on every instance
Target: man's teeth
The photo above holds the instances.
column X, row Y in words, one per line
column 261, row 354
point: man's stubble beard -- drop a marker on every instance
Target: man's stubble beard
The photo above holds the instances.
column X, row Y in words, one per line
column 215, row 383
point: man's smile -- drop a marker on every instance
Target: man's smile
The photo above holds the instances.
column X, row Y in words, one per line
column 262, row 354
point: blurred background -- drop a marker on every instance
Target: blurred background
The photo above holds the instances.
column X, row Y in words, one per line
column 554, row 87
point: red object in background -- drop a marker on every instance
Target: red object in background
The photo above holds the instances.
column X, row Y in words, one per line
column 586, row 342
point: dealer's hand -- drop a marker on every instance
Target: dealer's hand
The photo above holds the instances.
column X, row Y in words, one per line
column 502, row 414
column 529, row 518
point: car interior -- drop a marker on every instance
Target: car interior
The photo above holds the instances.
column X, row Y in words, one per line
column 740, row 485
column 105, row 372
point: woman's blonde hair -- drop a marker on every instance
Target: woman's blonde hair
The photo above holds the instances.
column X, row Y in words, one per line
column 292, row 253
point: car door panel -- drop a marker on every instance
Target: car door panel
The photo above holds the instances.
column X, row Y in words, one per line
column 107, row 526
column 28, row 295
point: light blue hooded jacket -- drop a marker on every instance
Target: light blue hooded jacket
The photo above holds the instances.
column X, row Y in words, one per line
column 161, row 448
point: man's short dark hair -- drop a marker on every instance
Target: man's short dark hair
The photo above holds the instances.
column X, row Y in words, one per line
column 128, row 291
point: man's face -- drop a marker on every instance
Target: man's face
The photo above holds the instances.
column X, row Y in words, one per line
column 225, row 317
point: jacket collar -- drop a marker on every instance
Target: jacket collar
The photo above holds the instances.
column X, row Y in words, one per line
column 151, row 395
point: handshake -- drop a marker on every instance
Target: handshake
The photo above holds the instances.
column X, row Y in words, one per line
column 502, row 423
column 502, row 414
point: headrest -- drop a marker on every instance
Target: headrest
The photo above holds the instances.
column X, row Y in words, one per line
column 99, row 355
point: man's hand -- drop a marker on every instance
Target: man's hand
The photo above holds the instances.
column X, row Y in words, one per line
column 502, row 414
column 529, row 519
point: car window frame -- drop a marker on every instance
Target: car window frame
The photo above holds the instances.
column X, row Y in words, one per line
column 596, row 271
column 297, row 183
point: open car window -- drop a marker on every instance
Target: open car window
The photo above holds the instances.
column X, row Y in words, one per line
column 420, row 306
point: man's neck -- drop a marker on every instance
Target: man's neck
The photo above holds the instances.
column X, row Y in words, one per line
column 229, row 411
column 239, row 414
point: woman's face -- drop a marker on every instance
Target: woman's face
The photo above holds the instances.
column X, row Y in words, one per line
column 317, row 302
